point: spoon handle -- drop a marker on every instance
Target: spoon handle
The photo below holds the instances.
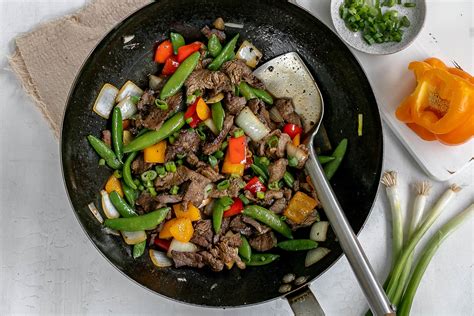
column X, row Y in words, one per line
column 378, row 301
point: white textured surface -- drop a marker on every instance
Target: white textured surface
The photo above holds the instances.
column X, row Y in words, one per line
column 48, row 266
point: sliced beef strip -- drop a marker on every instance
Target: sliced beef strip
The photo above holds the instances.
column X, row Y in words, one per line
column 234, row 104
column 152, row 117
column 146, row 203
column 203, row 233
column 308, row 221
column 228, row 252
column 169, row 198
column 207, row 32
column 237, row 71
column 272, row 195
column 195, row 190
column 210, row 173
column 262, row 149
column 287, row 193
column 224, row 228
column 186, row 142
column 279, row 206
column 260, row 228
column 212, row 147
column 212, row 259
column 194, row 161
column 232, row 191
column 187, row 259
column 139, row 165
column 202, row 79
column 287, row 111
column 258, row 108
column 237, row 225
column 172, row 178
column 107, row 137
column 263, row 242
column 147, row 98
column 277, row 169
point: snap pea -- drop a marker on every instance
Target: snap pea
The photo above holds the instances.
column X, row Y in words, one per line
column 289, row 179
column 297, row 244
column 268, row 218
column 138, row 223
column 218, row 115
column 130, row 194
column 245, row 251
column 246, row 91
column 176, row 81
column 139, row 249
column 260, row 259
column 226, row 54
column 122, row 207
column 117, row 133
column 177, row 40
column 263, row 95
column 331, row 167
column 218, row 209
column 325, row 159
column 104, row 152
column 172, row 125
column 259, row 169
column 127, row 171
column 214, row 45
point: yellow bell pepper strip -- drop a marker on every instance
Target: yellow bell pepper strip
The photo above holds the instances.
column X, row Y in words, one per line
column 297, row 140
column 300, row 207
column 113, row 184
column 155, row 153
column 232, row 168
column 202, row 110
column 165, row 233
column 182, row 229
column 192, row 213
column 442, row 105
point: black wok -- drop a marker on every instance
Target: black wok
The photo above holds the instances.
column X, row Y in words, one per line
column 276, row 27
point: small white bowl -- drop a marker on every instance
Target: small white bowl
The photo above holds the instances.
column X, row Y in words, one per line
column 416, row 15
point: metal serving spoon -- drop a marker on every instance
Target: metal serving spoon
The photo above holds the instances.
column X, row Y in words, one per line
column 287, row 76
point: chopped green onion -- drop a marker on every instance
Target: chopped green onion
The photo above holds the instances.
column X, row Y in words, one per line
column 237, row 90
column 179, row 162
column 160, row 170
column 289, row 179
column 224, row 145
column 170, row 166
column 152, row 191
column 171, row 139
column 263, row 161
column 283, row 218
column 189, row 120
column 148, row 183
column 212, row 160
column 137, row 182
column 101, row 162
column 118, row 174
column 221, row 186
column 260, row 195
column 190, row 99
column 149, row 175
column 162, row 105
column 273, row 141
column 141, row 187
column 404, row 21
column 239, row 132
column 180, row 156
column 197, row 93
column 174, row 190
column 134, row 99
column 274, row 186
column 219, row 154
column 244, row 199
column 409, row 4
column 360, row 119
column 292, row 161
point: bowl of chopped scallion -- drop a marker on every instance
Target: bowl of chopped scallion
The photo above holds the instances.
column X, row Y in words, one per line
column 378, row 26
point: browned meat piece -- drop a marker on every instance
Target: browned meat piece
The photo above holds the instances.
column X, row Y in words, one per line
column 202, row 79
column 238, row 226
column 237, row 71
column 272, row 195
column 146, row 203
column 186, row 142
column 212, row 147
column 228, row 248
column 287, row 111
column 172, row 178
column 175, row 102
column 287, row 193
column 147, row 98
column 212, row 259
column 194, row 193
column 260, row 228
column 278, row 206
column 107, row 137
column 187, row 259
column 205, row 62
column 277, row 170
column 258, row 108
column 249, row 195
column 263, row 242
column 210, row 173
column 308, row 221
column 232, row 191
column 224, row 228
column 194, row 161
column 139, row 165
column 152, row 117
column 169, row 198
column 296, row 185
column 261, row 148
column 207, row 32
column 203, row 233
column 234, row 104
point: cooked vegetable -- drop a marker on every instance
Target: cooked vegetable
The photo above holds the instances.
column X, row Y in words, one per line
column 237, row 149
column 132, row 238
column 182, row 229
column 297, row 244
column 138, row 223
column 95, row 212
column 171, row 65
column 218, row 209
column 122, row 207
column 176, row 81
column 154, row 82
column 245, row 251
column 113, row 184
column 117, row 133
column 109, row 209
column 191, row 115
column 216, row 98
column 325, row 159
column 214, row 45
column 127, row 172
column 163, row 51
column 319, row 231
column 127, row 108
column 251, row 125
column 192, row 213
column 275, row 115
column 128, row 89
column 315, row 255
column 260, row 259
column 331, row 167
column 360, row 118
column 254, row 185
column 177, row 40
column 236, row 208
column 247, row 91
column 180, row 246
column 249, row 53
column 162, row 243
column 300, row 207
column 294, row 152
column 130, row 194
column 268, row 218
column 155, row 153
column 202, row 110
column 232, row 168
column 159, row 259
column 104, row 152
column 218, row 115
column 289, row 179
column 292, row 130
column 138, row 249
column 226, row 54
column 187, row 50
column 127, row 137
column 105, row 100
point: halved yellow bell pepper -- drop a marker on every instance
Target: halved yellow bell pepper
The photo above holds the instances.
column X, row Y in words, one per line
column 113, row 184
column 155, row 153
column 192, row 212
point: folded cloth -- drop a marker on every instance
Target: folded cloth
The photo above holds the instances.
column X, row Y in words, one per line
column 48, row 58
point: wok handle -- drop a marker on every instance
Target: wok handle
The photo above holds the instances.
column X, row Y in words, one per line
column 378, row 301
column 304, row 303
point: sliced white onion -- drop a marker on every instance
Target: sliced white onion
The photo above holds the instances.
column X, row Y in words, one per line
column 298, row 153
column 249, row 53
column 127, row 107
column 275, row 115
column 154, row 82
column 210, row 123
column 160, row 259
column 95, row 212
column 132, row 238
column 180, row 246
column 109, row 209
column 251, row 125
column 127, row 137
column 105, row 100
column 128, row 89
column 319, row 231
column 111, row 231
column 205, row 202
column 234, row 25
column 218, row 97
column 314, row 255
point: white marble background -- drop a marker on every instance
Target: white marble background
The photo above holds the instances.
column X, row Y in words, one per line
column 48, row 266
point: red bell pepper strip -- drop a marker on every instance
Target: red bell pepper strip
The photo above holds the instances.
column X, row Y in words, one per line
column 236, row 208
column 292, row 130
column 254, row 185
column 192, row 114
column 237, row 149
column 163, row 51
column 170, row 66
column 162, row 243
column 186, row 50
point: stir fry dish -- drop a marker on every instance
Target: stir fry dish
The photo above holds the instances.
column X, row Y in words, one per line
column 209, row 166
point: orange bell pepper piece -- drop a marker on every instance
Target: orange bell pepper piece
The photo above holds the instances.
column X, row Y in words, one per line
column 301, row 205
column 165, row 233
column 163, row 51
column 113, row 184
column 155, row 153
column 202, row 110
column 232, row 168
column 182, row 229
column 237, row 150
column 192, row 213
column 297, row 140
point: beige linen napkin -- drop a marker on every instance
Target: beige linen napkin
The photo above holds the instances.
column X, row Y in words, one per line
column 48, row 58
